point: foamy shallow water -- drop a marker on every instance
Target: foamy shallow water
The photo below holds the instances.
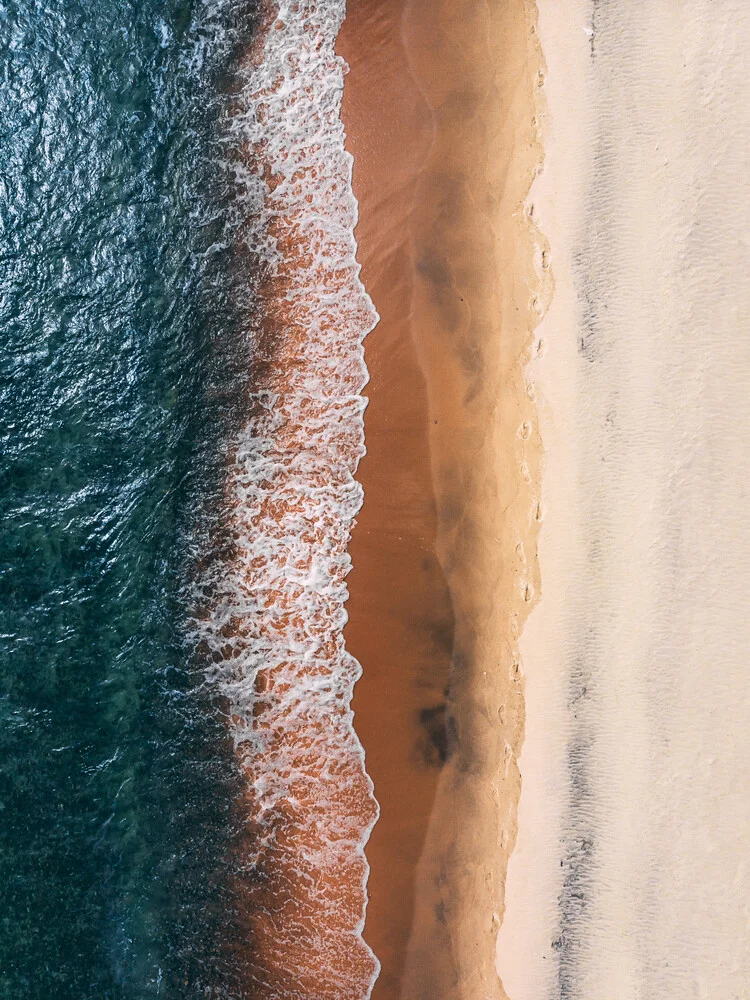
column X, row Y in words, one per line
column 276, row 603
column 630, row 874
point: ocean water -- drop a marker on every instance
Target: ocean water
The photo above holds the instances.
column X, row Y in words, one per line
column 120, row 368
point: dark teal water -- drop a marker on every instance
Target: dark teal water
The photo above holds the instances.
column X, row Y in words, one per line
column 116, row 781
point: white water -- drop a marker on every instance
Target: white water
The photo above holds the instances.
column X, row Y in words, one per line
column 277, row 604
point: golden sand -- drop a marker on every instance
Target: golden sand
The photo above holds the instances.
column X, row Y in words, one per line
column 440, row 109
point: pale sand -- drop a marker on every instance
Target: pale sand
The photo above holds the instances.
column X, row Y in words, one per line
column 630, row 877
column 440, row 114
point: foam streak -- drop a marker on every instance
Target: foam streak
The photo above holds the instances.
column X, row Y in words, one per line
column 277, row 602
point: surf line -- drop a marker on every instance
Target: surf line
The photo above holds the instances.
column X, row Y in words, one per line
column 277, row 595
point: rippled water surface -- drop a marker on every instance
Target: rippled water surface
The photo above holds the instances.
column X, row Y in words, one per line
column 116, row 783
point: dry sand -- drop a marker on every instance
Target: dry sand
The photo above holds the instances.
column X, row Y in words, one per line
column 439, row 109
column 630, row 876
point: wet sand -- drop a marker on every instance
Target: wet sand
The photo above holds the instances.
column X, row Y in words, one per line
column 400, row 614
column 439, row 108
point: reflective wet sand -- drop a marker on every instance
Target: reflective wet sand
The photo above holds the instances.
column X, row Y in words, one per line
column 439, row 108
column 400, row 612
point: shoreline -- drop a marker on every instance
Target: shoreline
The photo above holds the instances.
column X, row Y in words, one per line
column 400, row 623
column 275, row 593
column 455, row 269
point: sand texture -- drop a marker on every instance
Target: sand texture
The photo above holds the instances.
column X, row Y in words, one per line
column 630, row 877
column 439, row 108
column 551, row 562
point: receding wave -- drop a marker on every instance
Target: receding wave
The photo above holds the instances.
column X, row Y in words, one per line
column 273, row 601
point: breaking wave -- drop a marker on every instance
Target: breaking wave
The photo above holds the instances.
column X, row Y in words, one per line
column 273, row 596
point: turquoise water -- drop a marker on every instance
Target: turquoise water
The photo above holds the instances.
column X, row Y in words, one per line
column 116, row 384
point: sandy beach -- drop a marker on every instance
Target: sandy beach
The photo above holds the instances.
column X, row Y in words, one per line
column 439, row 109
column 400, row 612
column 375, row 548
column 550, row 559
column 630, row 876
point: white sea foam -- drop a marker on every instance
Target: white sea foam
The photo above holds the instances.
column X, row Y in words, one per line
column 276, row 604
